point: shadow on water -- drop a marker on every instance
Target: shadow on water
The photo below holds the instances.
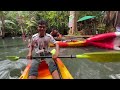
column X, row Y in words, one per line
column 79, row 68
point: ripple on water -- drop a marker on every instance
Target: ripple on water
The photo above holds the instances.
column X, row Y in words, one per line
column 115, row 76
column 12, row 69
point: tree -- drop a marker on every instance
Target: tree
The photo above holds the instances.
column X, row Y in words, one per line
column 2, row 18
column 111, row 19
column 73, row 22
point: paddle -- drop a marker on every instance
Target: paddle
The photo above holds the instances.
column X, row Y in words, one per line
column 112, row 56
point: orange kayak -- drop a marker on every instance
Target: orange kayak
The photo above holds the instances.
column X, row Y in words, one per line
column 44, row 73
column 65, row 44
column 109, row 40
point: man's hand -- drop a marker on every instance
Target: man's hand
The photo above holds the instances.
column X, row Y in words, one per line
column 54, row 57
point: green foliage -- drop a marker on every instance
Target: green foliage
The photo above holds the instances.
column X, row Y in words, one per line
column 98, row 14
column 55, row 18
column 23, row 20
column 101, row 28
column 98, row 21
column 26, row 21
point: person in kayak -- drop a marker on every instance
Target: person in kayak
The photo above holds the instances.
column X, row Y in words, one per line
column 118, row 28
column 40, row 44
column 55, row 33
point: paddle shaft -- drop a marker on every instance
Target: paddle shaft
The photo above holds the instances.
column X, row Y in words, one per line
column 94, row 56
column 70, row 56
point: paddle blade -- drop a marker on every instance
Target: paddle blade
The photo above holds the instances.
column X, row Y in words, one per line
column 13, row 58
column 104, row 56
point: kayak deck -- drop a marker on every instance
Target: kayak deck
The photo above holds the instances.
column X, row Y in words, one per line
column 44, row 73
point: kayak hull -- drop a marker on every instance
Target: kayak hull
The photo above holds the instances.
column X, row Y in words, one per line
column 70, row 44
column 107, row 40
column 63, row 70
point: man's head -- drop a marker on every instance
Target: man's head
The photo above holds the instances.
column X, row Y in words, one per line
column 42, row 27
column 54, row 29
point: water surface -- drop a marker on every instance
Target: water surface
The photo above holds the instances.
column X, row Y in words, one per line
column 79, row 68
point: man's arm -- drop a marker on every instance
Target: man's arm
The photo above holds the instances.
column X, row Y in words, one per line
column 50, row 33
column 57, row 49
column 57, row 52
column 31, row 47
column 52, row 40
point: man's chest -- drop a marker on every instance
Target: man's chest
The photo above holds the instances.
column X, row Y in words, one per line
column 42, row 41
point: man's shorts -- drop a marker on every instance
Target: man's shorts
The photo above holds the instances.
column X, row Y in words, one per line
column 36, row 62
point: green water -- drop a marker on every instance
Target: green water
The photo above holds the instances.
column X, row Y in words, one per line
column 9, row 46
column 79, row 68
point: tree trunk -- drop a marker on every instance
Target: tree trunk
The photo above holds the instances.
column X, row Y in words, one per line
column 110, row 21
column 73, row 22
column 2, row 18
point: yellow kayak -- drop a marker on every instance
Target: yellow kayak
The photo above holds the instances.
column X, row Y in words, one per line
column 63, row 70
column 69, row 43
column 44, row 73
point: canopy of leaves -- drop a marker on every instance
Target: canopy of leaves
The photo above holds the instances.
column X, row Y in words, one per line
column 26, row 21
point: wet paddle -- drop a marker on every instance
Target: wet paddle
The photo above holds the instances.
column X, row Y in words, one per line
column 112, row 56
